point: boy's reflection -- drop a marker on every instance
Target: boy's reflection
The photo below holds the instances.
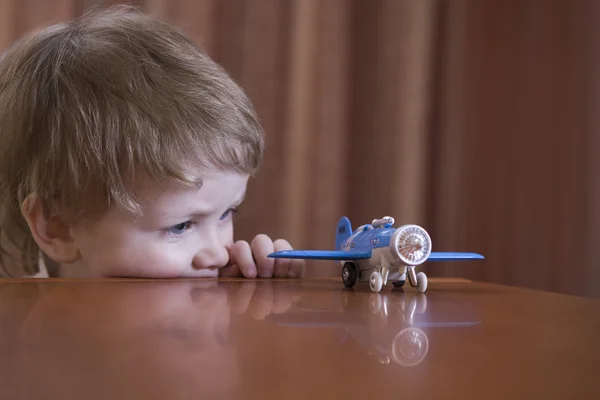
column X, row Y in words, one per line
column 135, row 339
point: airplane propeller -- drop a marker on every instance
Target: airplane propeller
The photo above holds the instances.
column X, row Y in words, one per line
column 411, row 244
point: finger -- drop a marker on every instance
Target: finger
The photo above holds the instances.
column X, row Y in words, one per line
column 242, row 298
column 282, row 298
column 262, row 301
column 241, row 255
column 230, row 271
column 261, row 247
column 297, row 268
column 282, row 265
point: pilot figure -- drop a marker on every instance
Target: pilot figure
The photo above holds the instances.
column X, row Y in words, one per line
column 385, row 222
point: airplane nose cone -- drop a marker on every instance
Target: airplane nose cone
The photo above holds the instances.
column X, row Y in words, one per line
column 418, row 243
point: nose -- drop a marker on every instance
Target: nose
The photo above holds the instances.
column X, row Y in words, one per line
column 212, row 253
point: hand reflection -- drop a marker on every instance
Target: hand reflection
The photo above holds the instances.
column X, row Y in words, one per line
column 260, row 299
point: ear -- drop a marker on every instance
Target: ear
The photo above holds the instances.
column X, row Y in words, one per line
column 51, row 233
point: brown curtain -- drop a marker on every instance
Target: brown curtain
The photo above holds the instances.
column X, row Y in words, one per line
column 473, row 118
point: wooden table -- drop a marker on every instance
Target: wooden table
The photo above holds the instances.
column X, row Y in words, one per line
column 299, row 339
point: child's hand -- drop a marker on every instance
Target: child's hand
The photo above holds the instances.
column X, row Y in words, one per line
column 250, row 260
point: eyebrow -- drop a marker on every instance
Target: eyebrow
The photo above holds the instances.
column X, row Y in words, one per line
column 202, row 213
column 240, row 199
column 173, row 216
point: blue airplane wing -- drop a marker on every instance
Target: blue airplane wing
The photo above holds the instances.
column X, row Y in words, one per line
column 438, row 256
column 322, row 254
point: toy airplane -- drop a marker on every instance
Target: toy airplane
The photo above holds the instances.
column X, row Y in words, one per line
column 376, row 253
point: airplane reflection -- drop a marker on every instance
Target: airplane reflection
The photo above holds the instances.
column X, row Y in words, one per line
column 392, row 327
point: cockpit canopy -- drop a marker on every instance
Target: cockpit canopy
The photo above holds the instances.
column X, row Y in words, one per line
column 363, row 228
column 385, row 222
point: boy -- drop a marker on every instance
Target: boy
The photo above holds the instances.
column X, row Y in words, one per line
column 124, row 151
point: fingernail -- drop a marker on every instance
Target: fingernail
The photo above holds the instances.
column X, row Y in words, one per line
column 251, row 273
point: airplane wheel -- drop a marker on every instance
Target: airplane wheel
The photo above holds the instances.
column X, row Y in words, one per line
column 375, row 282
column 398, row 283
column 421, row 282
column 349, row 274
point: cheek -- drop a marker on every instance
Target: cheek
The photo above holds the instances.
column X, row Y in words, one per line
column 226, row 235
column 150, row 261
column 132, row 254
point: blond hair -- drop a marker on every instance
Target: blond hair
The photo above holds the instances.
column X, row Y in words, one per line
column 87, row 104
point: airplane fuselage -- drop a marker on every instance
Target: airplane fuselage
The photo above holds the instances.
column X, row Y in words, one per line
column 377, row 242
column 369, row 239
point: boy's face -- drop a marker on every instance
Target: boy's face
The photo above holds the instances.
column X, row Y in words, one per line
column 184, row 231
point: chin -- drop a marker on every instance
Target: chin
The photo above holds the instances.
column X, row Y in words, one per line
column 201, row 273
column 188, row 273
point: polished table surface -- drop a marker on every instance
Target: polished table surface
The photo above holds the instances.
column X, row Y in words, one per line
column 293, row 339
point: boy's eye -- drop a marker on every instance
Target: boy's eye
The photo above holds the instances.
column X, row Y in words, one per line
column 179, row 229
column 227, row 213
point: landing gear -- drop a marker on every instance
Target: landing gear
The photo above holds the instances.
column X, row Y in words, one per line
column 421, row 282
column 349, row 274
column 417, row 280
column 378, row 277
column 375, row 282
column 400, row 281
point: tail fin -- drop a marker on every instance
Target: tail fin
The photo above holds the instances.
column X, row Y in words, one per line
column 343, row 232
